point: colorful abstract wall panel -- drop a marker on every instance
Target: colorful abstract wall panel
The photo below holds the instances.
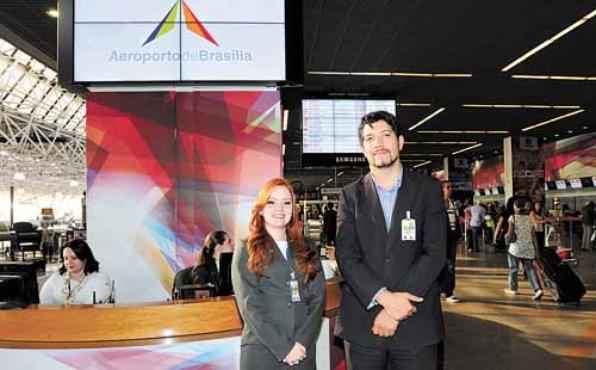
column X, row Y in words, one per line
column 165, row 169
column 571, row 158
column 489, row 173
column 217, row 354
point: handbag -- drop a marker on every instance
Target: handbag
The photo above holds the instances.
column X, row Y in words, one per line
column 511, row 237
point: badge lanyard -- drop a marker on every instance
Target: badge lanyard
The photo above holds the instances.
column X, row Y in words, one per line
column 408, row 228
column 294, row 288
column 294, row 285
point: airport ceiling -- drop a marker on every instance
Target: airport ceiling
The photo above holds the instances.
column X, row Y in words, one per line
column 371, row 48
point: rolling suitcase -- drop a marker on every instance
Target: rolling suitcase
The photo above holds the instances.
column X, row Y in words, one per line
column 567, row 285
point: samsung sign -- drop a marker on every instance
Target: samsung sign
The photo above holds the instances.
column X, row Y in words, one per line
column 179, row 40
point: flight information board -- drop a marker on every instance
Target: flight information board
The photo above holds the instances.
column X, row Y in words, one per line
column 331, row 125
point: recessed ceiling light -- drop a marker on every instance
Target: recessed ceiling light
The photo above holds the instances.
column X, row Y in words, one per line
column 490, row 132
column 427, row 118
column 521, row 106
column 422, row 164
column 550, row 41
column 585, row 127
column 468, row 148
column 556, row 135
column 570, row 131
column 558, row 118
column 414, row 104
column 442, row 142
column 395, row 74
column 52, row 13
column 562, row 78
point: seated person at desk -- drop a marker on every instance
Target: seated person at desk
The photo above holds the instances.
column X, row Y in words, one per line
column 206, row 273
column 78, row 281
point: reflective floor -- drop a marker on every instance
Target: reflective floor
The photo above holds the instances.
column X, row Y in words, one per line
column 489, row 330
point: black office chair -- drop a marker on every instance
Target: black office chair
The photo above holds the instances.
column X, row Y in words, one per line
column 225, row 274
column 184, row 288
column 28, row 238
column 6, row 239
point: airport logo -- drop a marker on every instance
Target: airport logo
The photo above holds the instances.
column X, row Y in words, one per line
column 191, row 21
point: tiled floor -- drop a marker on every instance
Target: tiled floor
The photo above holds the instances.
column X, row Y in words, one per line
column 489, row 330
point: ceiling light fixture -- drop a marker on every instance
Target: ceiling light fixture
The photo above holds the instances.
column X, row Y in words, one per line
column 395, row 74
column 370, row 73
column 562, row 78
column 285, row 119
column 520, row 106
column 427, row 118
column 414, row 104
column 442, row 142
column 552, row 120
column 489, row 132
column 19, row 176
column 421, row 155
column 52, row 13
column 550, row 41
column 422, row 164
column 468, row 148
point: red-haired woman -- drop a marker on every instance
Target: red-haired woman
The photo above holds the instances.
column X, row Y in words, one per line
column 279, row 285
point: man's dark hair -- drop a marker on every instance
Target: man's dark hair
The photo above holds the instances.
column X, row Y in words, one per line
column 330, row 205
column 83, row 252
column 381, row 115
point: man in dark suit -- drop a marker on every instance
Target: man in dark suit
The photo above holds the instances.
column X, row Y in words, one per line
column 390, row 249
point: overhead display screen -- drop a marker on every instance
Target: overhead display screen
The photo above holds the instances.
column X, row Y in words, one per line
column 179, row 40
column 331, row 125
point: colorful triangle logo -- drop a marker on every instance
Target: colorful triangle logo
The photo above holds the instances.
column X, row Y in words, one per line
column 192, row 24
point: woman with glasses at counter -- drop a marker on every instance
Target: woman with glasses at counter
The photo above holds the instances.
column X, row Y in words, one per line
column 78, row 281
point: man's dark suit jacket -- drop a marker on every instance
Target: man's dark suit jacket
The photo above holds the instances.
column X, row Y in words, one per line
column 370, row 257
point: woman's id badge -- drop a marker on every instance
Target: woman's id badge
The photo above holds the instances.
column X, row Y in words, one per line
column 294, row 288
column 408, row 228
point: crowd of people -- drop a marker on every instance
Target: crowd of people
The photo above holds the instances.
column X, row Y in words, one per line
column 396, row 235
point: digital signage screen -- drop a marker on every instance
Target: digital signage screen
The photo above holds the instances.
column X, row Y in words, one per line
column 587, row 182
column 179, row 40
column 331, row 125
column 575, row 183
column 561, row 184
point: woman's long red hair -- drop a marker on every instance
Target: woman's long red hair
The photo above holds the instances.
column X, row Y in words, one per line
column 260, row 243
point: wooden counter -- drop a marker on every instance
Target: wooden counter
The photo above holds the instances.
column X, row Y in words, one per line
column 82, row 326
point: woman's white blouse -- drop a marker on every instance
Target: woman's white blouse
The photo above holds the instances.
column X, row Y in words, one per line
column 55, row 289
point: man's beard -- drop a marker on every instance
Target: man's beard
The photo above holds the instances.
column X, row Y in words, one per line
column 384, row 164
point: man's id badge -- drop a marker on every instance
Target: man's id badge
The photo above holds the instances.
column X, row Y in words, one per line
column 294, row 288
column 408, row 228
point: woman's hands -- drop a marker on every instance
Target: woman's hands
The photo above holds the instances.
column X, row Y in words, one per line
column 296, row 354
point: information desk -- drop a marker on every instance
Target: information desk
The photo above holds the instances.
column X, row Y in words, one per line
column 171, row 335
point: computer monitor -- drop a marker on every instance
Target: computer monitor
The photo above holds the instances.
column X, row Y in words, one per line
column 20, row 280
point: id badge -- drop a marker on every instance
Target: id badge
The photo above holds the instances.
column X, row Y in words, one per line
column 294, row 289
column 408, row 228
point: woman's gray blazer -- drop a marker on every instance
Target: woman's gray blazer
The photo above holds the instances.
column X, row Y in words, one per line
column 272, row 323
